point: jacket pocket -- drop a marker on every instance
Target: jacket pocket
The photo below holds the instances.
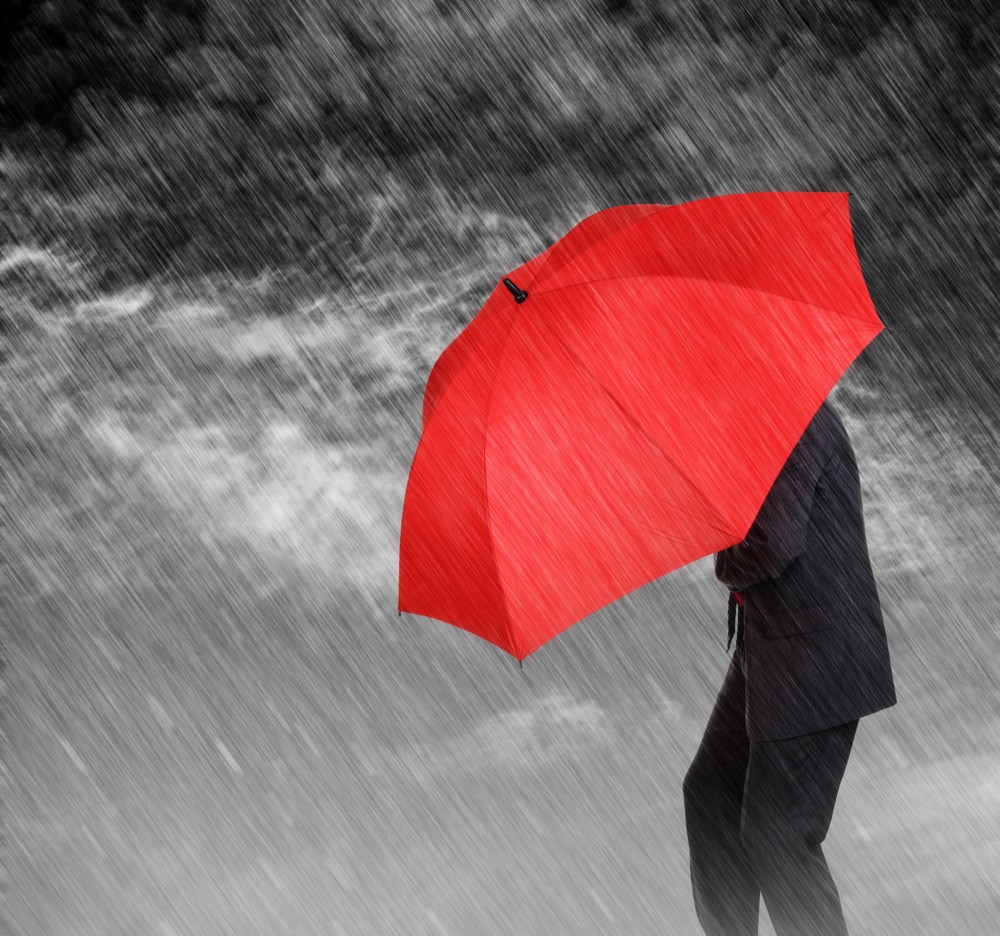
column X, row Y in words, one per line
column 796, row 621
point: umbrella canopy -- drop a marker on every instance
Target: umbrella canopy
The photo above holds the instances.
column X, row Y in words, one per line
column 621, row 405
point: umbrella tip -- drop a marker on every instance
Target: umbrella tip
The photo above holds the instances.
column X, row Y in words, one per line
column 519, row 294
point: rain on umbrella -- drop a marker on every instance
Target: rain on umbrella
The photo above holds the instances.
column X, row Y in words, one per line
column 621, row 405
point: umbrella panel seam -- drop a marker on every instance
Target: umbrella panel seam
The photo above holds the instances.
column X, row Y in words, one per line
column 727, row 524
column 702, row 279
column 469, row 357
column 660, row 209
column 515, row 318
column 544, row 267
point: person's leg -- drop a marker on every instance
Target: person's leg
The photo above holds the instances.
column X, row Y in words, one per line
column 791, row 791
column 726, row 895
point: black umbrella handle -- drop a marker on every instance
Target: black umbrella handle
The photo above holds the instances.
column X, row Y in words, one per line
column 519, row 294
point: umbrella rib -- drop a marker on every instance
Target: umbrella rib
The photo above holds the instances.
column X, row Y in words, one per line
column 701, row 279
column 470, row 356
column 486, row 484
column 679, row 509
column 726, row 524
column 665, row 535
column 543, row 268
column 635, row 221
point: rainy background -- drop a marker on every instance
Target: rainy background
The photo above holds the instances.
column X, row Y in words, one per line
column 234, row 237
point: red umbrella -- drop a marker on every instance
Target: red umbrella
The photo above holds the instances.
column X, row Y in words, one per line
column 621, row 405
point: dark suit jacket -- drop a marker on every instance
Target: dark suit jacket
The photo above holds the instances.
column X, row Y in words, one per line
column 816, row 650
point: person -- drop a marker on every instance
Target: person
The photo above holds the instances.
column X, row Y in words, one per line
column 811, row 659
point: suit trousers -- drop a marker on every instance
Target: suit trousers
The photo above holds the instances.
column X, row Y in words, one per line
column 756, row 814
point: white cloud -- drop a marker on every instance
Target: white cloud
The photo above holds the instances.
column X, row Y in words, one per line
column 556, row 727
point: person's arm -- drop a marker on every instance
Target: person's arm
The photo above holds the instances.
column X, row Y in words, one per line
column 778, row 534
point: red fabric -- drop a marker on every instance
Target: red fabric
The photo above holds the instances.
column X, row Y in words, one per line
column 630, row 416
column 738, row 598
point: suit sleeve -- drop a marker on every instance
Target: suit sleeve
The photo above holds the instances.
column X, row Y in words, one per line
column 778, row 534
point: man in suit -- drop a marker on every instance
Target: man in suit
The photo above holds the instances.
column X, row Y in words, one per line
column 811, row 659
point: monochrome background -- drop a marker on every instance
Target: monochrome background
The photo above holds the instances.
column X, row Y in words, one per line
column 234, row 237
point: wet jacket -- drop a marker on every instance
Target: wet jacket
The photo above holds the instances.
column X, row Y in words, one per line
column 816, row 650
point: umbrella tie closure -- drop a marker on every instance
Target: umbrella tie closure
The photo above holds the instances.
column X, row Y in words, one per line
column 519, row 294
column 735, row 619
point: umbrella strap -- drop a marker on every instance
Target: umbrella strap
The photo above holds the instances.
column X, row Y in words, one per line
column 734, row 619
